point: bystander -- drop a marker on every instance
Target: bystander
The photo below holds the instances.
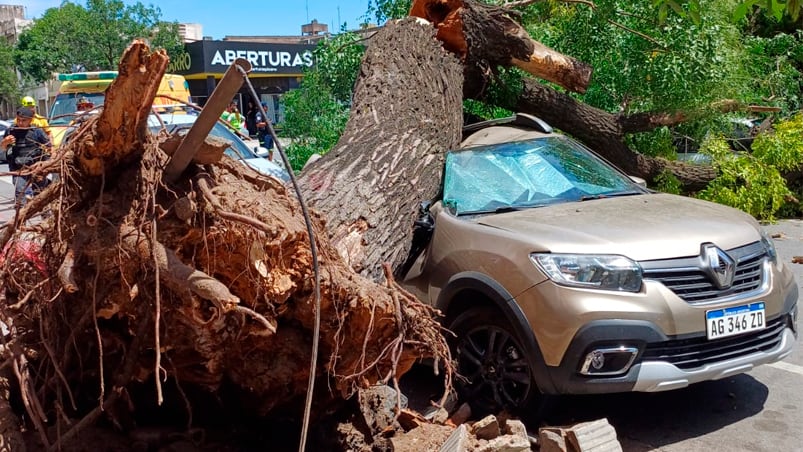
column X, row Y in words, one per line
column 26, row 144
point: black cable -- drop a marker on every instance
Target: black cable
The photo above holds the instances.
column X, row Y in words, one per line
column 317, row 330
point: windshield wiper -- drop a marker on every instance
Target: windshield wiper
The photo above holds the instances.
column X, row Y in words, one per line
column 611, row 195
column 505, row 209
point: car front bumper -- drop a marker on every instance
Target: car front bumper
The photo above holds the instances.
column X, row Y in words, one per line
column 656, row 340
column 653, row 376
column 654, row 368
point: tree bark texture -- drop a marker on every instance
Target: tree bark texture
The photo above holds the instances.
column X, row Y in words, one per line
column 407, row 112
column 121, row 130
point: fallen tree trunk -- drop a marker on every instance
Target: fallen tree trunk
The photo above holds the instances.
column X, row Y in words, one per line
column 206, row 283
column 407, row 112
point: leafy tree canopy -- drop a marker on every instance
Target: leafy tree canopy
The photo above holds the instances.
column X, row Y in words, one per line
column 661, row 55
column 73, row 37
column 9, row 89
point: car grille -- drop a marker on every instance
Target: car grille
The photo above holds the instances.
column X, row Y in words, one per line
column 686, row 278
column 697, row 352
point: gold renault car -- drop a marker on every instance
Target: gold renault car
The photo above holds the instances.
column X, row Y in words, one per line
column 559, row 274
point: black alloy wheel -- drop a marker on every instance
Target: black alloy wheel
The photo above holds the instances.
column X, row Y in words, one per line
column 493, row 370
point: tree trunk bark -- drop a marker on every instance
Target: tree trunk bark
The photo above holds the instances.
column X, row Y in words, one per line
column 407, row 112
column 122, row 125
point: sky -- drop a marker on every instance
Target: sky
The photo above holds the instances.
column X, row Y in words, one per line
column 239, row 18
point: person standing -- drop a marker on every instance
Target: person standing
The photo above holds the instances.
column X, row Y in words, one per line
column 27, row 145
column 38, row 120
column 250, row 118
column 236, row 119
column 263, row 131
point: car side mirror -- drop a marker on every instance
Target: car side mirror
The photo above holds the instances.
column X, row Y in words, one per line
column 639, row 181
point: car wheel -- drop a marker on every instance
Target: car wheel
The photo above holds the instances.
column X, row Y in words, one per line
column 493, row 370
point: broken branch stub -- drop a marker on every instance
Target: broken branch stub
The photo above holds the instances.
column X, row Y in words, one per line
column 119, row 133
column 481, row 33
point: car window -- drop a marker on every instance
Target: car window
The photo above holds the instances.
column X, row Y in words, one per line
column 65, row 106
column 530, row 173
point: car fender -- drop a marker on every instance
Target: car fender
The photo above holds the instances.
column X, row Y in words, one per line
column 504, row 301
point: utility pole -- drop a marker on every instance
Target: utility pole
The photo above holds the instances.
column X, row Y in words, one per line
column 306, row 6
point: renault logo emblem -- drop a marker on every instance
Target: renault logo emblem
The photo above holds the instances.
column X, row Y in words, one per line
column 718, row 265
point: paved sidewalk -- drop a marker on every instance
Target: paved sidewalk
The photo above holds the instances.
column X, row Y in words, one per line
column 6, row 201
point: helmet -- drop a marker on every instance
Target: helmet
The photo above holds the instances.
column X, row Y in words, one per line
column 28, row 101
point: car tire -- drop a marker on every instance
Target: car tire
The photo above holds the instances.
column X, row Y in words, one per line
column 494, row 372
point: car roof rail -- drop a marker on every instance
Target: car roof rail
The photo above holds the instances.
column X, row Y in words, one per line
column 519, row 119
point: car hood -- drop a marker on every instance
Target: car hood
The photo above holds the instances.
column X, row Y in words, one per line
column 643, row 227
column 269, row 168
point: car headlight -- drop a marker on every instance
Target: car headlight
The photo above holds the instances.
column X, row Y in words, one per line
column 769, row 246
column 606, row 272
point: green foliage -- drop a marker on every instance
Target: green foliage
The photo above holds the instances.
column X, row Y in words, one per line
column 384, row 10
column 479, row 111
column 316, row 112
column 9, row 88
column 744, row 181
column 774, row 7
column 783, row 147
column 656, row 143
column 504, row 90
column 92, row 37
column 774, row 71
column 641, row 64
column 337, row 63
column 690, row 9
column 668, row 183
column 314, row 119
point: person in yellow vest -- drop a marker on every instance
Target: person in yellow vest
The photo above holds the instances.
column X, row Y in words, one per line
column 38, row 120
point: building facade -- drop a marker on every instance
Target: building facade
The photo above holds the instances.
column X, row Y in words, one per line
column 277, row 65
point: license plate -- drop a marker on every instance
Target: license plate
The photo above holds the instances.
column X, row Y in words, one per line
column 736, row 320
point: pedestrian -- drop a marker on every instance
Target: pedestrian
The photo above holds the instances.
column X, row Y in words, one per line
column 234, row 118
column 38, row 120
column 250, row 118
column 263, row 131
column 26, row 144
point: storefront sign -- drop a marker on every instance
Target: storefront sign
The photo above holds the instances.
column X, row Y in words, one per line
column 217, row 56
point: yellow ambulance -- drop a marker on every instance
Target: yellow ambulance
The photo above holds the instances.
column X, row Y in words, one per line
column 91, row 86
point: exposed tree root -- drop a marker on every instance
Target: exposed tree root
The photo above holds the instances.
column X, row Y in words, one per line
column 212, row 275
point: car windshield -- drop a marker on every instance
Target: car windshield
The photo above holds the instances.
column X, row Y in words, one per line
column 65, row 106
column 525, row 174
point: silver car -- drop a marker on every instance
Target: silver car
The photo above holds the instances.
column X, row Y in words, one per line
column 559, row 274
column 238, row 149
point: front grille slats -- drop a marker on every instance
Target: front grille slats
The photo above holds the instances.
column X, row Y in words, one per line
column 693, row 353
column 686, row 278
